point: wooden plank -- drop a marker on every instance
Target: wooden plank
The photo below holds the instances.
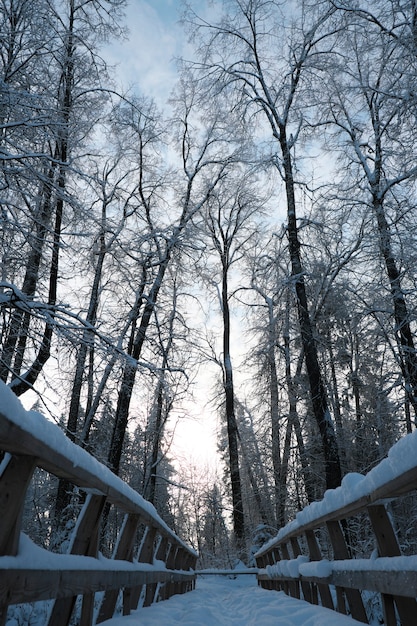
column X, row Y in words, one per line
column 3, row 613
column 181, row 561
column 388, row 607
column 169, row 561
column 87, row 532
column 87, row 543
column 340, row 601
column 87, row 610
column 148, row 545
column 274, row 557
column 384, row 532
column 193, row 567
column 188, row 563
column 398, row 583
column 127, row 600
column 31, row 585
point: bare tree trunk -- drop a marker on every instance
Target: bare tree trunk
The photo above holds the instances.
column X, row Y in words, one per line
column 86, row 345
column 336, row 406
column 161, row 415
column 18, row 329
column 275, row 417
column 64, row 487
column 293, row 419
column 253, row 483
column 283, row 490
column 156, row 435
column 252, row 458
column 317, row 389
column 165, row 247
column 232, row 431
column 129, row 373
column 273, row 401
column 24, row 382
column 403, row 334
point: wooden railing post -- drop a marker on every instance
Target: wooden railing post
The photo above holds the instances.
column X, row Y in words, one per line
column 273, row 557
column 181, row 564
column 152, row 589
column 305, row 585
column 124, row 551
column 388, row 546
column 341, row 551
column 263, row 562
column 315, row 555
column 190, row 562
column 145, row 556
column 14, row 482
column 169, row 560
column 169, row 588
column 85, row 543
column 194, row 567
column 293, row 585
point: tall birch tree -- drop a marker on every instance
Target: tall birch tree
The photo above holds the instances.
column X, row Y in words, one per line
column 260, row 58
column 371, row 111
column 205, row 153
column 228, row 220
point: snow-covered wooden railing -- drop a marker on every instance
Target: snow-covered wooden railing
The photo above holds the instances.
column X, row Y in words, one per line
column 293, row 562
column 158, row 567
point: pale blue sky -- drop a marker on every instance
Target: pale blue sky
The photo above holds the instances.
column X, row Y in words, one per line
column 146, row 58
column 167, row 9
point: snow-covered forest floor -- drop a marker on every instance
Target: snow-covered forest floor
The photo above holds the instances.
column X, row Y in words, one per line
column 222, row 601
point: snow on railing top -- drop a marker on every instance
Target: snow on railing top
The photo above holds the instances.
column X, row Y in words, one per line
column 355, row 488
column 293, row 568
column 31, row 556
column 54, row 439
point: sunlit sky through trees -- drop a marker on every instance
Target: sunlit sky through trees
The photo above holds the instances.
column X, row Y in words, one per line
column 146, row 64
column 208, row 232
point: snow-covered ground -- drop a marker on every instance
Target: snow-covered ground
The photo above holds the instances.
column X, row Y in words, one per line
column 222, row 601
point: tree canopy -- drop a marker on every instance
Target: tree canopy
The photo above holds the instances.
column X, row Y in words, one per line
column 257, row 234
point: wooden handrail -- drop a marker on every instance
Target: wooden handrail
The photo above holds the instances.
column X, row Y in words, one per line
column 33, row 442
column 293, row 561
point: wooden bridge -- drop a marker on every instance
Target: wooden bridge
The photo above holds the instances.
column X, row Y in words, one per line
column 310, row 559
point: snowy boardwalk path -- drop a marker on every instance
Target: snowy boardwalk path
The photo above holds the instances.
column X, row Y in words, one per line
column 220, row 601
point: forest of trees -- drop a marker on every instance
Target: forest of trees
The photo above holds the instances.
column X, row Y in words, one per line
column 258, row 233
